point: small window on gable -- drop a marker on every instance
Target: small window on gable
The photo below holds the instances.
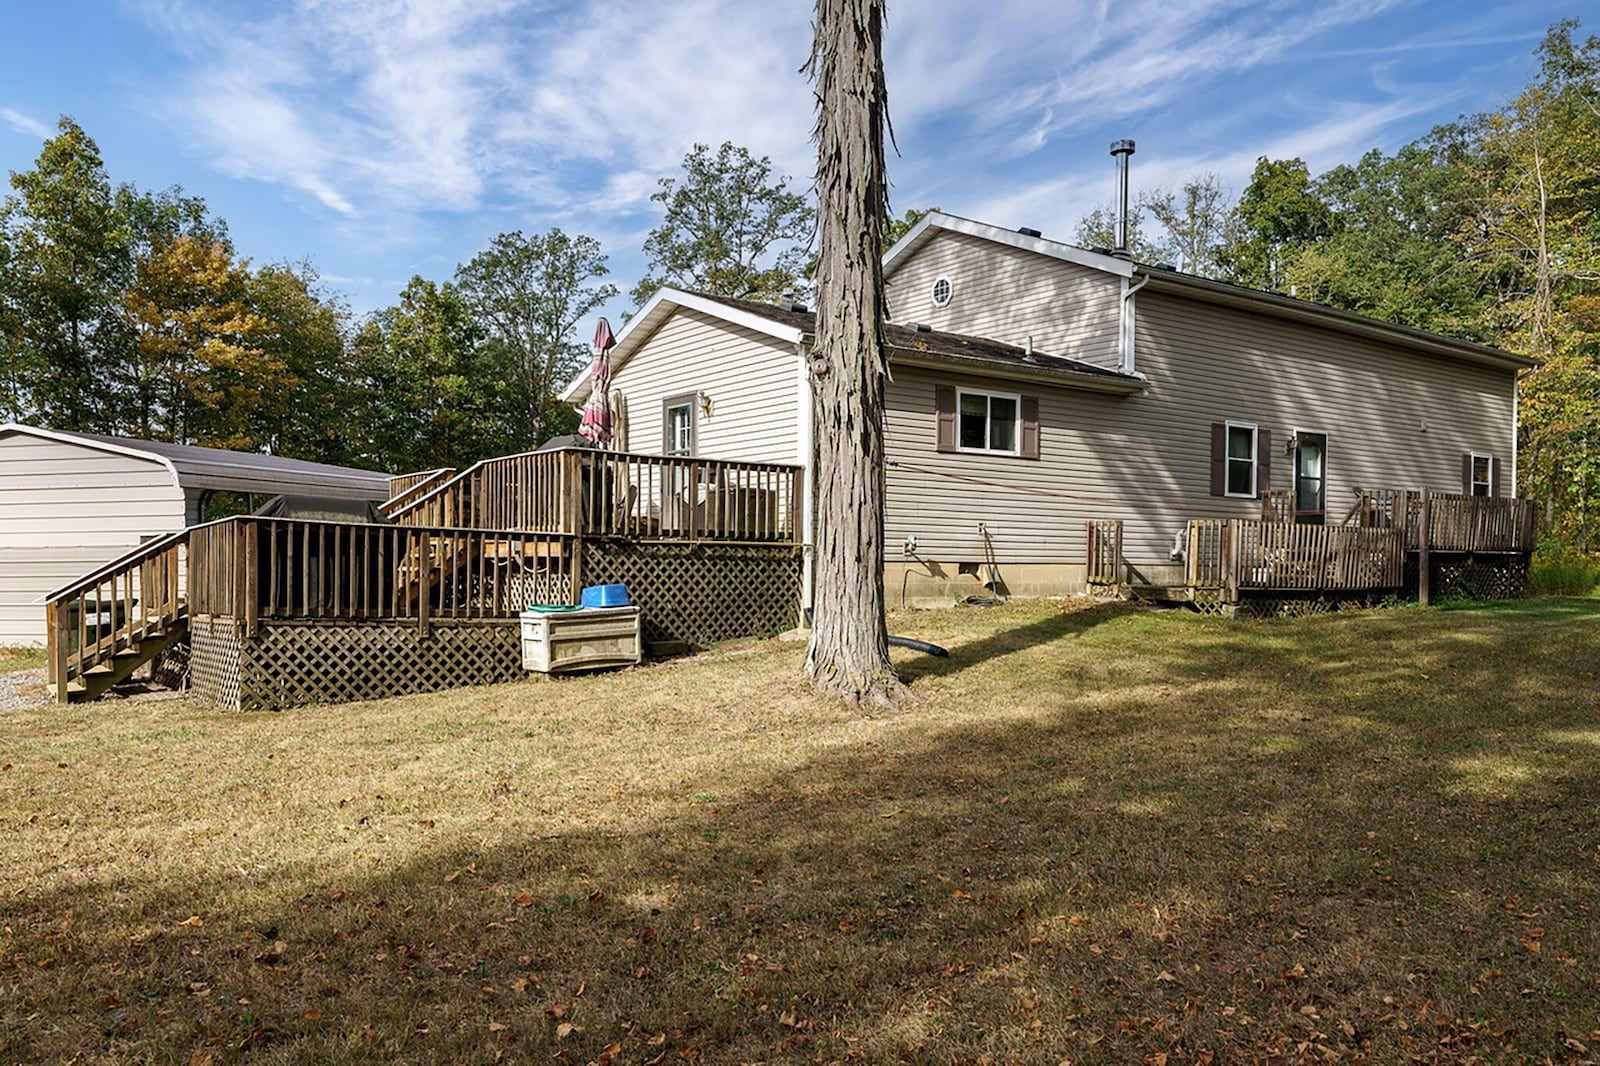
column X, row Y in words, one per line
column 1482, row 475
column 987, row 422
column 1241, row 459
column 941, row 292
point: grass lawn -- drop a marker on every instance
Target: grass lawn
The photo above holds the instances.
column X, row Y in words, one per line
column 1104, row 835
column 20, row 658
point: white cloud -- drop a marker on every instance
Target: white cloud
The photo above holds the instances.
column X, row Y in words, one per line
column 26, row 124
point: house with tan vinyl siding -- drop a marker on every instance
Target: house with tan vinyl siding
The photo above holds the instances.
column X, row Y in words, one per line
column 1035, row 386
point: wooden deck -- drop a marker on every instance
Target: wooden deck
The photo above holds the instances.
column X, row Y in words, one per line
column 1389, row 542
column 715, row 544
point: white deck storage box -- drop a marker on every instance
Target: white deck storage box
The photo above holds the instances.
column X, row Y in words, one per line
column 585, row 639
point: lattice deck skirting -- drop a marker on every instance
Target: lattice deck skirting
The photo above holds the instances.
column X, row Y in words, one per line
column 214, row 653
column 291, row 664
column 699, row 594
column 1475, row 576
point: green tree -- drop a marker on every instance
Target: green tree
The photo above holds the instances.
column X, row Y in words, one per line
column 1279, row 215
column 899, row 227
column 1098, row 229
column 529, row 294
column 303, row 330
column 1195, row 222
column 66, row 261
column 1391, row 250
column 731, row 228
column 434, row 395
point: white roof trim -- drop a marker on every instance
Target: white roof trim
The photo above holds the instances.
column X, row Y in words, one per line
column 920, row 233
column 99, row 445
column 656, row 311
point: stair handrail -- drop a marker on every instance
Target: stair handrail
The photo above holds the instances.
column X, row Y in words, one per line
column 144, row 552
column 64, row 663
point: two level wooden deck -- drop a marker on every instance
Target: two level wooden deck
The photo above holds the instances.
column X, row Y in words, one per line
column 277, row 611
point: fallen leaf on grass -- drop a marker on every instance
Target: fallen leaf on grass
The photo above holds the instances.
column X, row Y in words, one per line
column 497, row 1027
column 556, row 1010
column 524, row 899
column 566, row 1029
column 193, row 920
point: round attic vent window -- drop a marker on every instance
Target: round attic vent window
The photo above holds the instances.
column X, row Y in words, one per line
column 941, row 292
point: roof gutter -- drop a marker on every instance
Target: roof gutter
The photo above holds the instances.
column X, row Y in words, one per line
column 1119, row 384
column 1333, row 318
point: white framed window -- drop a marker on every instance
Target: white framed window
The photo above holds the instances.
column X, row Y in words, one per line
column 1241, row 457
column 678, row 425
column 941, row 292
column 988, row 421
column 1482, row 475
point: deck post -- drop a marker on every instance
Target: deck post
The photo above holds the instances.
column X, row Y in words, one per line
column 58, row 639
column 1424, row 534
column 1228, row 555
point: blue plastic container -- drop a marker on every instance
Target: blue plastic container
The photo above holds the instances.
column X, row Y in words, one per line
column 606, row 596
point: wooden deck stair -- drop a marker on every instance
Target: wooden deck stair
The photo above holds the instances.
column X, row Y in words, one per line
column 108, row 623
column 111, row 670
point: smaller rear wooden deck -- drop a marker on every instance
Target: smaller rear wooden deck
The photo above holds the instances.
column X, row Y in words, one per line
column 1391, row 542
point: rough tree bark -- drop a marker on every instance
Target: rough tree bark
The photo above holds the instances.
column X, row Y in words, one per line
column 849, row 652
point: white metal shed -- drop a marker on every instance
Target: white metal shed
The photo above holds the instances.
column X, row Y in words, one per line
column 72, row 501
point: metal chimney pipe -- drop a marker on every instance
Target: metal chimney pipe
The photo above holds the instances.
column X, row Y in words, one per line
column 1121, row 150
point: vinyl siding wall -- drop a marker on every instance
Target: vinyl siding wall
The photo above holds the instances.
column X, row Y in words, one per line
column 1009, row 294
column 750, row 378
column 1146, row 459
column 64, row 510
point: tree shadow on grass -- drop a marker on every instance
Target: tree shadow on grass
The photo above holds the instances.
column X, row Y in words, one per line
column 1015, row 639
column 1219, row 865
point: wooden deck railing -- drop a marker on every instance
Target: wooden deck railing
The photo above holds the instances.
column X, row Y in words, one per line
column 111, row 609
column 1244, row 554
column 251, row 569
column 1104, row 551
column 1456, row 523
column 598, row 493
column 407, row 488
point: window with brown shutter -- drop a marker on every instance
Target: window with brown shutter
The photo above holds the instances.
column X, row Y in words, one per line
column 1263, row 460
column 1238, row 464
column 1030, row 427
column 1480, row 474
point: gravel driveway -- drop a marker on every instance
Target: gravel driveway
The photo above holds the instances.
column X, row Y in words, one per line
column 22, row 688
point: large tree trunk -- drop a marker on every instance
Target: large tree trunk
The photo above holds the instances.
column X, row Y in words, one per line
column 849, row 652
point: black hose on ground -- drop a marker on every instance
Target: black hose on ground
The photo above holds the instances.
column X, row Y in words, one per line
column 919, row 645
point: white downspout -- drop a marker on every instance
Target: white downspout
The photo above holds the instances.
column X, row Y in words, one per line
column 1125, row 325
column 1516, row 428
column 805, row 436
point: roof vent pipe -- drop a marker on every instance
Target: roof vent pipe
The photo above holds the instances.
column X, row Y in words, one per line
column 1121, row 150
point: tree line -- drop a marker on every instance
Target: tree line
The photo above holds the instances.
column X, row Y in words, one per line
column 130, row 312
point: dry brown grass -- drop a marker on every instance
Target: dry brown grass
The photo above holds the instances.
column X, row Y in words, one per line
column 1105, row 835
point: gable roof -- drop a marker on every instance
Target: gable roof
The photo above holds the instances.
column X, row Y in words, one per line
column 198, row 468
column 908, row 346
column 1194, row 287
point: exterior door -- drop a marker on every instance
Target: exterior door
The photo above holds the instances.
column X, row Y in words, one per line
column 1310, row 477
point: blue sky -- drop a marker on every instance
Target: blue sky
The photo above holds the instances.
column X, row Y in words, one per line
column 382, row 140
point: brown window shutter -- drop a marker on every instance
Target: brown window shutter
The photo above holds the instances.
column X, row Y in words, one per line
column 944, row 406
column 1466, row 473
column 1263, row 461
column 1494, row 476
column 1219, row 459
column 1030, row 427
